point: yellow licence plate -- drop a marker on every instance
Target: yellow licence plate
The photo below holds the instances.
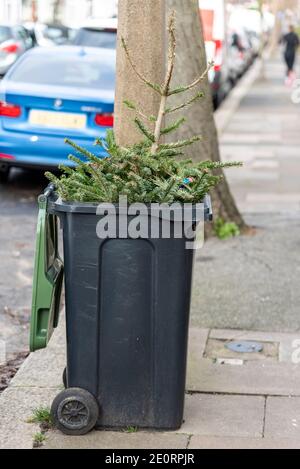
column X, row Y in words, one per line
column 64, row 120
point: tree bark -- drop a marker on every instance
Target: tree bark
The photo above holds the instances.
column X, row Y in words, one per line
column 142, row 25
column 191, row 62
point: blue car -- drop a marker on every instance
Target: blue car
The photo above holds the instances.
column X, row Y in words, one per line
column 50, row 94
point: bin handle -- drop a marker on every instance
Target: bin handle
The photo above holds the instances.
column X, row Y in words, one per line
column 47, row 283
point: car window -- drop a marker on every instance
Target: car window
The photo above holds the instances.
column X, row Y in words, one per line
column 96, row 38
column 81, row 72
column 21, row 34
column 56, row 34
column 5, row 33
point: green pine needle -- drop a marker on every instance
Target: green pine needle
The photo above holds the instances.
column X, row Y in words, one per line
column 173, row 126
column 141, row 126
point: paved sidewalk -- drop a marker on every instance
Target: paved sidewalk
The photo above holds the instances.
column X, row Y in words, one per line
column 250, row 283
column 257, row 285
column 233, row 400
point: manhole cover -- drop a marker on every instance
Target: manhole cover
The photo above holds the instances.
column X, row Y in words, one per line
column 245, row 347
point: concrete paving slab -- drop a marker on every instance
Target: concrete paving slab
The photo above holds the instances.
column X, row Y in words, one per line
column 197, row 343
column 116, row 440
column 217, row 348
column 223, row 415
column 288, row 343
column 205, row 442
column 283, row 417
column 252, row 378
column 250, row 282
column 16, row 407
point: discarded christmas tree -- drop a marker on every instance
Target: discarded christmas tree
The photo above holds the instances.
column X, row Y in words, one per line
column 150, row 171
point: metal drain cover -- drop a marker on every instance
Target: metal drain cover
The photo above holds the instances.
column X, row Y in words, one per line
column 244, row 346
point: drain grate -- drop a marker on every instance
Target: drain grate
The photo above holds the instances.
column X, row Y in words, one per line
column 245, row 346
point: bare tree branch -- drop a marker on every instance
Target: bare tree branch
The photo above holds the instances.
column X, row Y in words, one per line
column 154, row 86
column 134, row 108
column 195, row 83
column 183, row 105
column 166, row 87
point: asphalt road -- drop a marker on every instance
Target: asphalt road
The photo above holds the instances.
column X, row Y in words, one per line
column 18, row 211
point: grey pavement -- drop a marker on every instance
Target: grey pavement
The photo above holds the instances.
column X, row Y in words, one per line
column 251, row 282
column 253, row 404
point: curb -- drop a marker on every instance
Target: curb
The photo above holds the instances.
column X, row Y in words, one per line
column 225, row 112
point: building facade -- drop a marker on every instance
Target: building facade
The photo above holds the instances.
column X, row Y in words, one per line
column 69, row 12
column 11, row 11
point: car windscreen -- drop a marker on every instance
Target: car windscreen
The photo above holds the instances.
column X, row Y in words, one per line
column 5, row 33
column 56, row 34
column 105, row 38
column 77, row 71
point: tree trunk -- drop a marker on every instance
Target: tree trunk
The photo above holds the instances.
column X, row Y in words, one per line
column 142, row 25
column 191, row 62
column 34, row 15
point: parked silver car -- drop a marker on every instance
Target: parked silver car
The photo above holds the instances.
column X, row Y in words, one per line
column 14, row 41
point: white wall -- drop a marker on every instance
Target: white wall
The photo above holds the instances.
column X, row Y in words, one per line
column 10, row 11
column 74, row 12
column 104, row 7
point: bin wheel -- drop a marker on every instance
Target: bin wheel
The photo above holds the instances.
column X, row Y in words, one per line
column 64, row 378
column 75, row 411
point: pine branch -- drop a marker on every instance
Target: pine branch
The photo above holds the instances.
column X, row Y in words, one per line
column 144, row 129
column 169, row 189
column 180, row 144
column 88, row 167
column 90, row 156
column 154, row 86
column 188, row 103
column 219, row 164
column 129, row 104
column 173, row 126
column 166, row 86
column 171, row 53
column 89, row 192
column 198, row 80
column 168, row 152
column 133, row 107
